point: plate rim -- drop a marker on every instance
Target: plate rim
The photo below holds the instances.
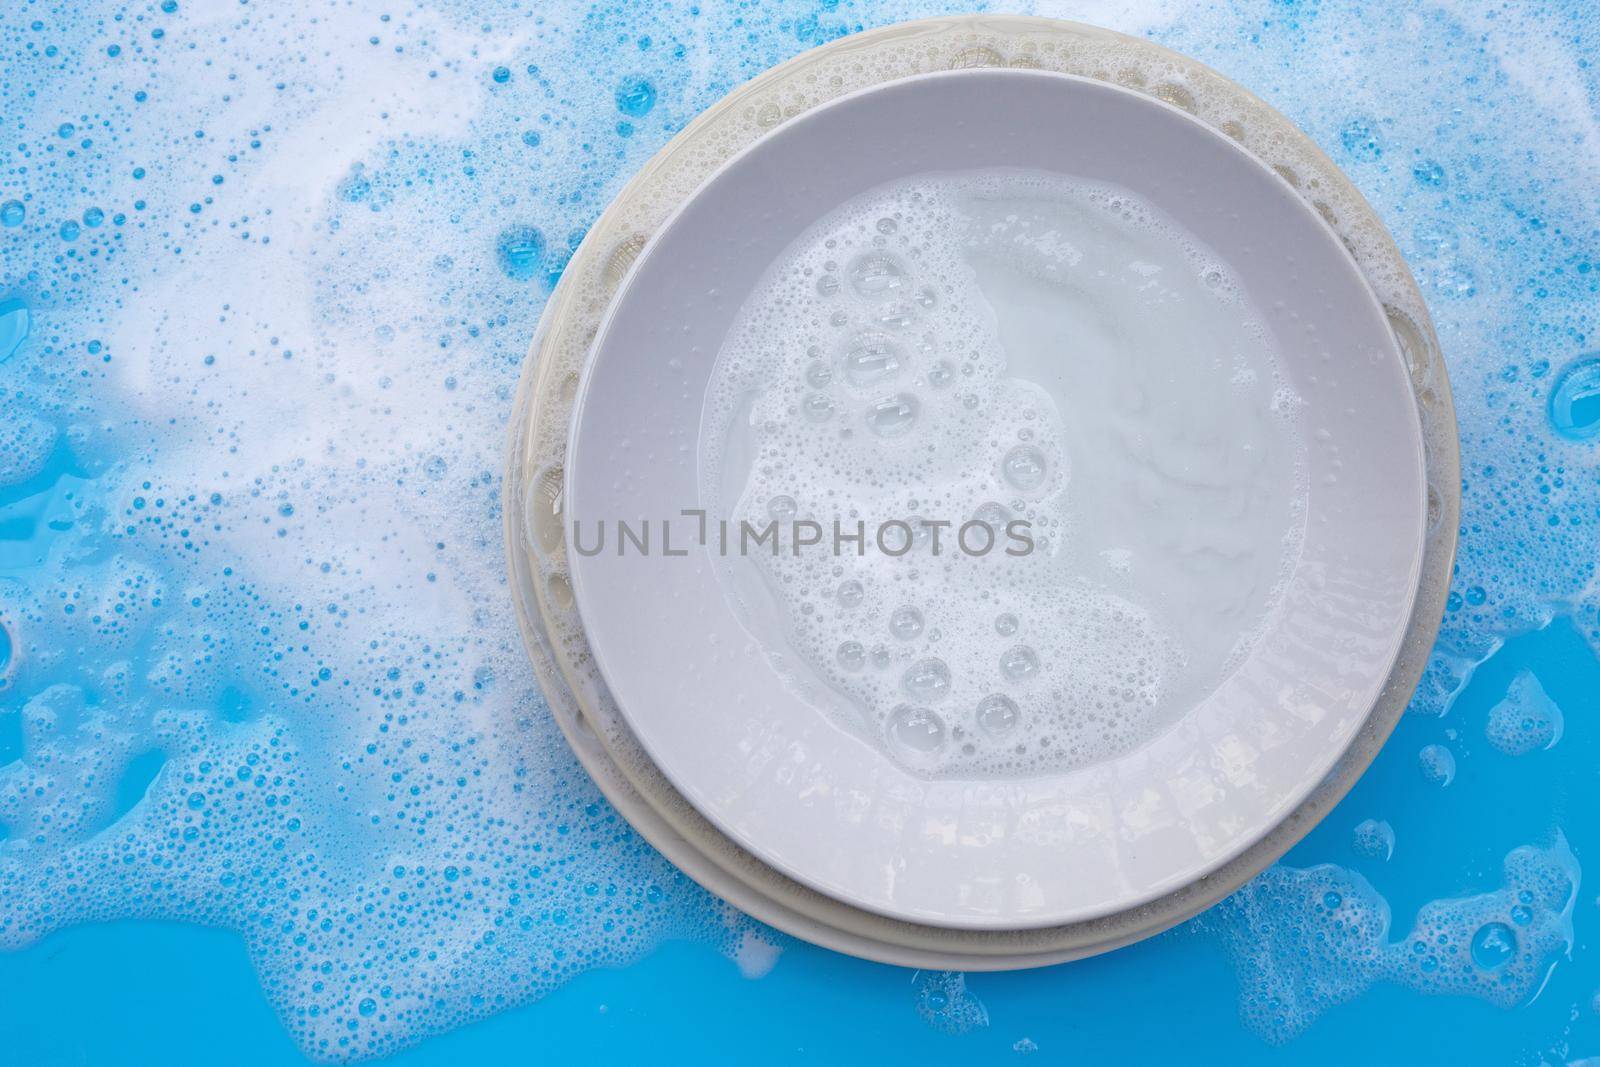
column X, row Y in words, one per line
column 998, row 39
column 1391, row 356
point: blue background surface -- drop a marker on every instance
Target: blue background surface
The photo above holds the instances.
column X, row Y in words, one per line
column 163, row 992
column 1470, row 129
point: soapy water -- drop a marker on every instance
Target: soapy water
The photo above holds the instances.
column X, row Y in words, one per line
column 982, row 348
column 266, row 276
column 1306, row 940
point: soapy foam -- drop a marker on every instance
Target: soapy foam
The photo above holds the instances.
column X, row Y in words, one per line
column 1305, row 940
column 262, row 670
column 1001, row 347
column 389, row 170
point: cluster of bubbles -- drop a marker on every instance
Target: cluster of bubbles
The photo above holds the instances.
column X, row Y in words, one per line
column 1373, row 839
column 1305, row 940
column 1496, row 221
column 945, row 1003
column 1520, row 343
column 258, row 668
column 867, row 379
column 1526, row 719
column 219, row 705
column 1437, row 763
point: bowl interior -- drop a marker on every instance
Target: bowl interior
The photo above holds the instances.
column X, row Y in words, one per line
column 816, row 801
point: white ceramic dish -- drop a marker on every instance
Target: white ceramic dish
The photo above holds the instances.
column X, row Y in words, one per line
column 552, row 631
column 817, row 802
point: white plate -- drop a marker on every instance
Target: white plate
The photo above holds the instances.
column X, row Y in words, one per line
column 1054, row 849
column 552, row 631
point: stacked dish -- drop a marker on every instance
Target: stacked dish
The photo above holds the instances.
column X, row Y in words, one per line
column 787, row 781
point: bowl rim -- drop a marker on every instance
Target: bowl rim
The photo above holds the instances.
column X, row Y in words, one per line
column 918, row 44
column 688, row 771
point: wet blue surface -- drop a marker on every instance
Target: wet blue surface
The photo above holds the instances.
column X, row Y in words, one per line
column 274, row 780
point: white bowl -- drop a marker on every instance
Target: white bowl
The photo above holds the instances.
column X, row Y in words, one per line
column 539, row 581
column 1053, row 849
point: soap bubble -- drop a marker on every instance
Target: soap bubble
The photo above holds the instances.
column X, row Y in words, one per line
column 876, row 273
column 893, row 416
column 1019, row 663
column 636, row 97
column 1575, row 400
column 997, row 714
column 916, row 732
column 1025, row 468
column 521, row 251
column 926, row 679
column 906, row 623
